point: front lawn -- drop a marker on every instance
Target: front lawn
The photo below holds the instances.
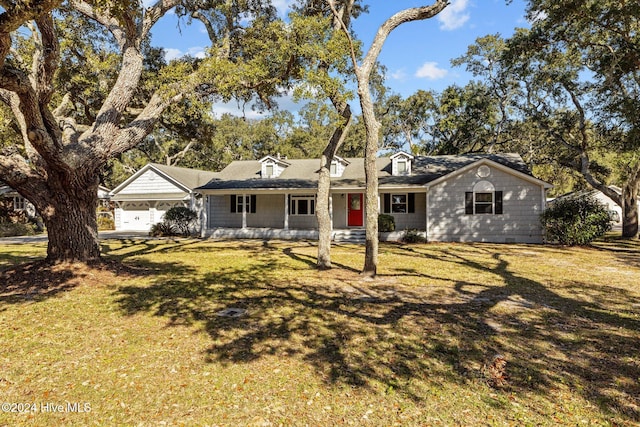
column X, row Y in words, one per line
column 142, row 342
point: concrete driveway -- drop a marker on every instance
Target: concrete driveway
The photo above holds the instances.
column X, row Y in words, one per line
column 103, row 235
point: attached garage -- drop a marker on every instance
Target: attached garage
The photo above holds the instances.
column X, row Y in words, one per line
column 143, row 199
column 134, row 216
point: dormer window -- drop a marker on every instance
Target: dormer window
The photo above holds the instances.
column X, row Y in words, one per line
column 401, row 163
column 269, row 170
column 338, row 165
column 272, row 167
column 402, row 167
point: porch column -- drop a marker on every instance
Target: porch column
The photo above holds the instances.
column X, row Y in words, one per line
column 286, row 212
column 331, row 209
column 204, row 215
column 426, row 226
column 244, row 211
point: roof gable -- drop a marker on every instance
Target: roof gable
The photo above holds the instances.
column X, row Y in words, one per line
column 183, row 179
column 489, row 162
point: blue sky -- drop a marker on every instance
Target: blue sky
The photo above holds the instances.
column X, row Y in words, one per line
column 417, row 54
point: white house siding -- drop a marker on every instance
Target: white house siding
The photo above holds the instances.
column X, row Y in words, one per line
column 220, row 213
column 416, row 220
column 151, row 183
column 522, row 205
column 269, row 212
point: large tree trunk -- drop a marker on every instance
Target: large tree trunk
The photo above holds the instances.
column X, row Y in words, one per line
column 372, row 126
column 323, row 213
column 69, row 213
column 371, row 203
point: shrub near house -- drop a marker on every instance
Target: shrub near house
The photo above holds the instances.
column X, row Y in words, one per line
column 575, row 221
column 12, row 222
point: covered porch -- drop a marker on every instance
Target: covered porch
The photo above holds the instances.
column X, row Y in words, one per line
column 284, row 211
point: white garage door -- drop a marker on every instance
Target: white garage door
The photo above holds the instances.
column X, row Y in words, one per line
column 135, row 217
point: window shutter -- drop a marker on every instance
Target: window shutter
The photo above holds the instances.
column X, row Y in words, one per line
column 387, row 203
column 468, row 203
column 233, row 203
column 498, row 202
column 411, row 203
column 253, row 203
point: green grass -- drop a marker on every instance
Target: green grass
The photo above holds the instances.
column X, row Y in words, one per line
column 142, row 343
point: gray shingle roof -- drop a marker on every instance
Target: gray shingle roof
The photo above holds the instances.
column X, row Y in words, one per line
column 190, row 178
column 303, row 173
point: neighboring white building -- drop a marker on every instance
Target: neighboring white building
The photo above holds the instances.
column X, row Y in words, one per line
column 22, row 204
column 142, row 200
column 614, row 209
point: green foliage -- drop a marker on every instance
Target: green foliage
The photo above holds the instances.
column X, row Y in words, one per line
column 413, row 236
column 13, row 223
column 575, row 220
column 180, row 219
column 386, row 223
column 10, row 229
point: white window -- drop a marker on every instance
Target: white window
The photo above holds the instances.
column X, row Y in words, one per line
column 18, row 203
column 302, row 205
column 243, row 200
column 398, row 203
column 269, row 170
column 402, row 167
column 334, row 168
column 246, row 201
column 402, row 203
column 483, row 203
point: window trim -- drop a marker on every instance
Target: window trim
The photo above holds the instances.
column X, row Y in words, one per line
column 19, row 203
column 406, row 167
column 267, row 166
column 471, row 203
column 294, row 204
column 236, row 203
column 410, row 203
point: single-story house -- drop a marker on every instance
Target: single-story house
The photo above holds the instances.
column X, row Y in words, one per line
column 476, row 197
column 143, row 199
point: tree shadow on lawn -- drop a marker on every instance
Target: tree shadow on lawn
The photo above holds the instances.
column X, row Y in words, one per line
column 382, row 334
column 38, row 280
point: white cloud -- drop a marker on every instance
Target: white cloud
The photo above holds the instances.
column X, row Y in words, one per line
column 170, row 53
column 454, row 16
column 431, row 71
column 197, row 52
column 399, row 74
column 282, row 6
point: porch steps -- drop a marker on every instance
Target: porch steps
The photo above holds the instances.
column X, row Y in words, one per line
column 358, row 235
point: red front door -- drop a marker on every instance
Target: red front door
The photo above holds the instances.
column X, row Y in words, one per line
column 355, row 210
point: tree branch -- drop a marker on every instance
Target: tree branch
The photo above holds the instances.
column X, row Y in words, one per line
column 108, row 22
column 404, row 16
column 154, row 13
